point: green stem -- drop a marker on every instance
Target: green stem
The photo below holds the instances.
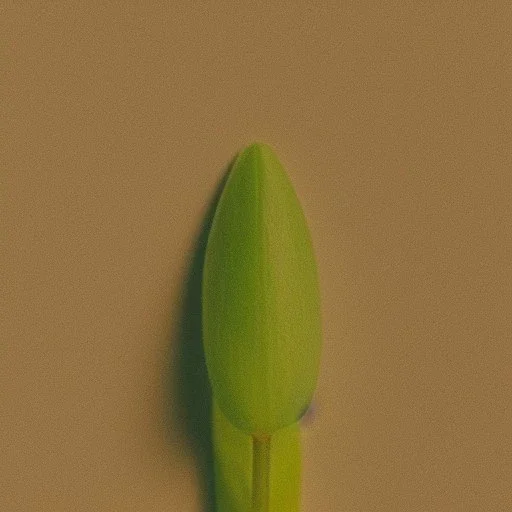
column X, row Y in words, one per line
column 260, row 473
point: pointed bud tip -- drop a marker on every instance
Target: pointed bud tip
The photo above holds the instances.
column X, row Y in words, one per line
column 259, row 149
column 257, row 157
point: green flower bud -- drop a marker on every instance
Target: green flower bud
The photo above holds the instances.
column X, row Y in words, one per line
column 261, row 305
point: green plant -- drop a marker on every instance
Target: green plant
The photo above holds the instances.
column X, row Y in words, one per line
column 261, row 308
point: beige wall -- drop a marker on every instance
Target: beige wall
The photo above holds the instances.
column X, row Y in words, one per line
column 394, row 121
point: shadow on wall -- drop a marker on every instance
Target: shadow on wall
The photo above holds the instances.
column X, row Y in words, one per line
column 186, row 371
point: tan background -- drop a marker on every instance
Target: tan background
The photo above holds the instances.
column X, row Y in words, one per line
column 394, row 121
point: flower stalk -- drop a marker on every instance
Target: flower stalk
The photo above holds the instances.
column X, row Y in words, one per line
column 261, row 473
